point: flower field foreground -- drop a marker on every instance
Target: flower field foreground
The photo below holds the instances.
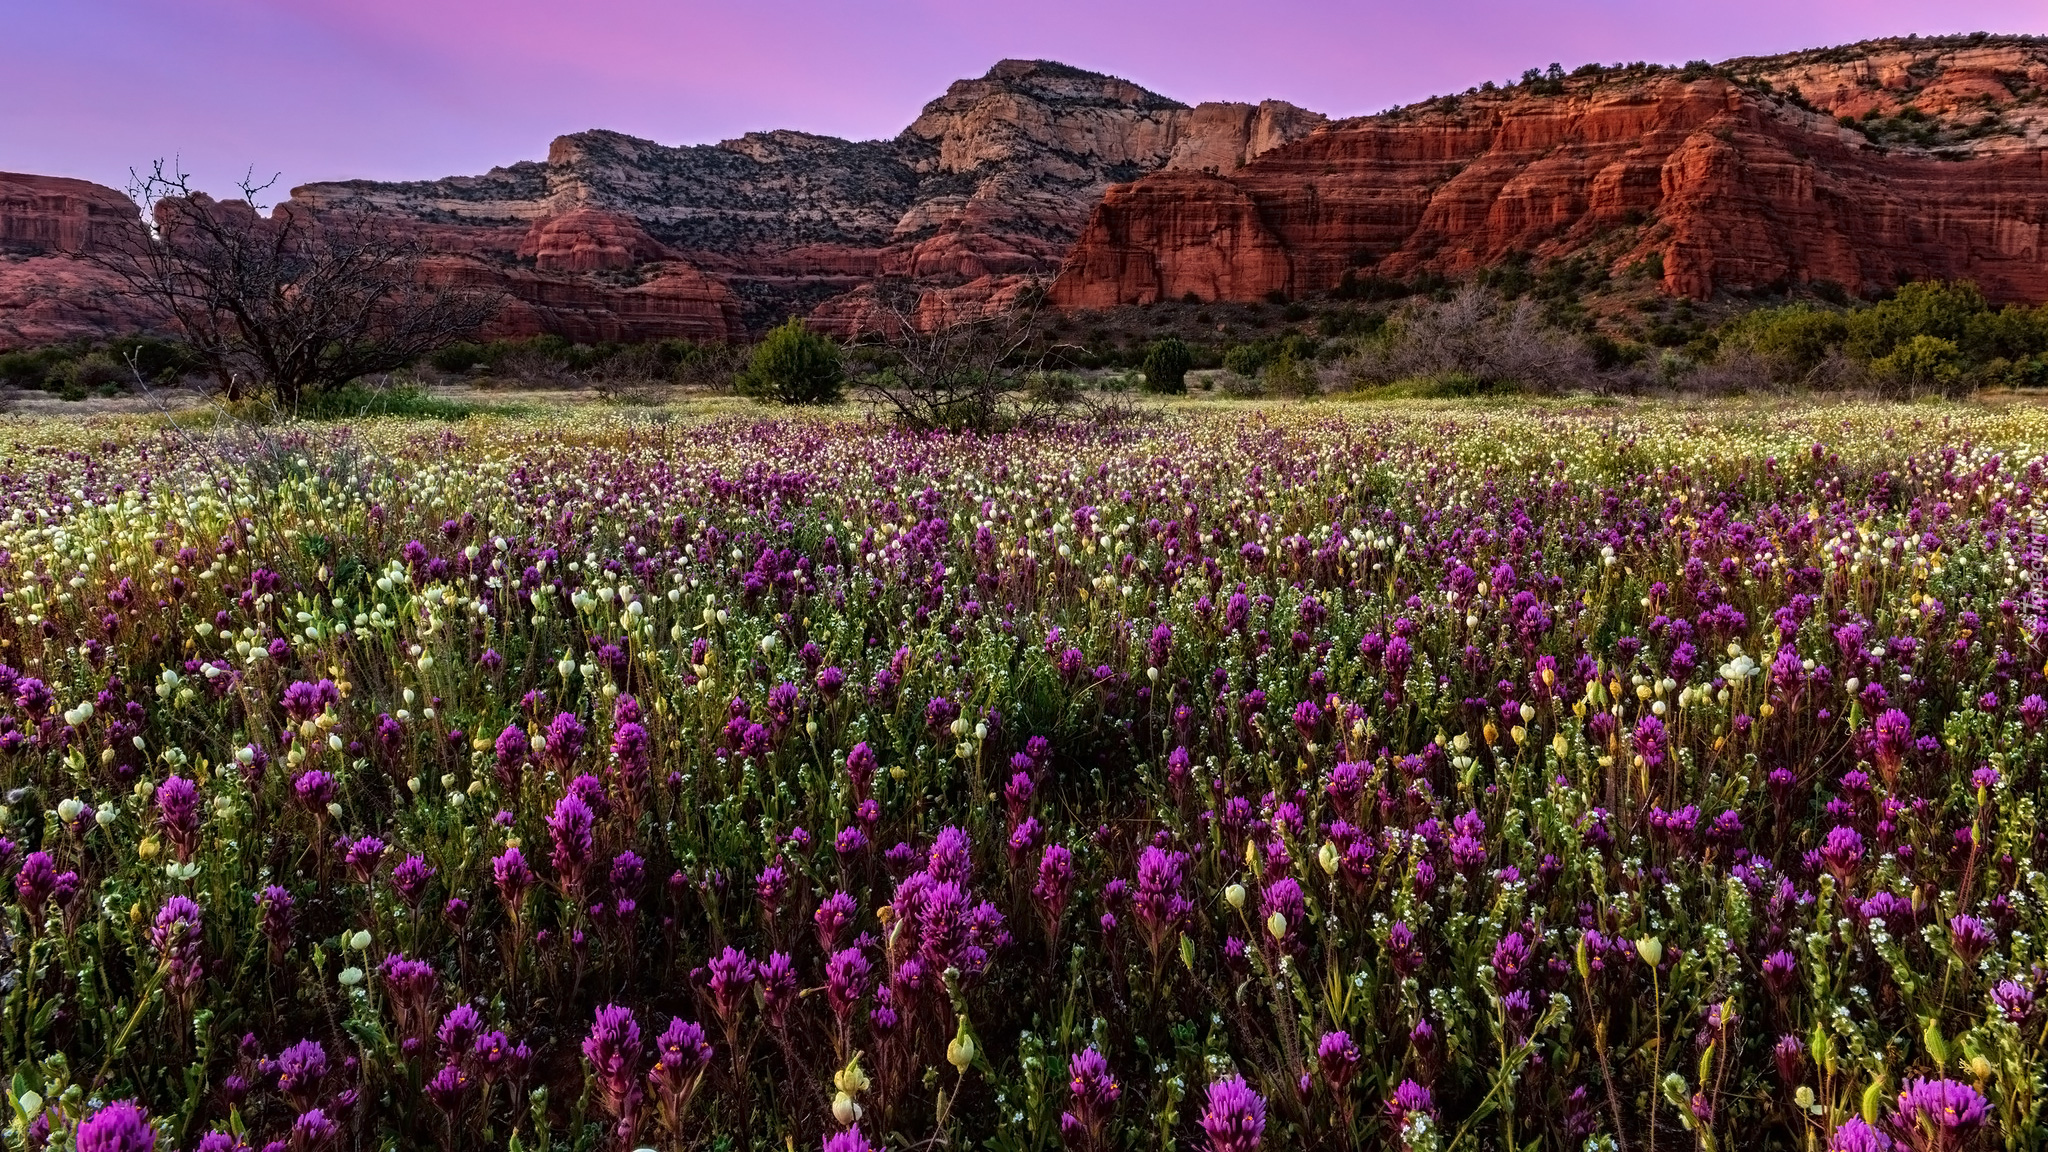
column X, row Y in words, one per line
column 1415, row 778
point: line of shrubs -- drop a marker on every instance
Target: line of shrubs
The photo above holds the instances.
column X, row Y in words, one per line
column 81, row 368
column 1930, row 335
column 1516, row 328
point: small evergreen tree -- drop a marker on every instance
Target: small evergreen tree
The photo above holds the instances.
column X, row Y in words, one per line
column 1166, row 366
column 794, row 366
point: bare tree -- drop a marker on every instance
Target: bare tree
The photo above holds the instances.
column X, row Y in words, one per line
column 970, row 373
column 289, row 302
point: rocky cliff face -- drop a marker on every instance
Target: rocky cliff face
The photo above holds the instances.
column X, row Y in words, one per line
column 613, row 237
column 47, row 293
column 989, row 185
column 1865, row 166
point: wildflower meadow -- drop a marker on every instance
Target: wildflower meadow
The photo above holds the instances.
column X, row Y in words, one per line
column 1530, row 779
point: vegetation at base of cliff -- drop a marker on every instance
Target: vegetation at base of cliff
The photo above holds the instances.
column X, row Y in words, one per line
column 1946, row 332
column 1523, row 325
column 84, row 368
column 1571, row 326
column 535, row 357
column 794, row 366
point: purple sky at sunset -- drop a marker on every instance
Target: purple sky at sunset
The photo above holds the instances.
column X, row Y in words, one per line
column 394, row 89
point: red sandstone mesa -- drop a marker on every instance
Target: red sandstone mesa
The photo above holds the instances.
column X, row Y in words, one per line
column 617, row 238
column 1738, row 179
column 1733, row 183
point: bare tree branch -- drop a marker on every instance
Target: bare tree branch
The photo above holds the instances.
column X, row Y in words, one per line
column 964, row 374
column 288, row 302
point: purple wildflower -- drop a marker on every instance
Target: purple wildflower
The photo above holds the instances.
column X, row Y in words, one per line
column 1235, row 1118
column 1092, row 1096
column 613, row 1050
column 1940, row 1115
column 177, row 806
column 1337, row 1056
column 119, row 1127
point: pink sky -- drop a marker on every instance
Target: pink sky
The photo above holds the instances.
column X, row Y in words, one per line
column 398, row 89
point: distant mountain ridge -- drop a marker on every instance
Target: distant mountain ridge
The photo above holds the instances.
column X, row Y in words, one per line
column 991, row 183
column 1864, row 164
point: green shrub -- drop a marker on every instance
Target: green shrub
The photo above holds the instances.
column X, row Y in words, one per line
column 794, row 366
column 1247, row 360
column 460, row 356
column 1930, row 308
column 34, row 368
column 1166, row 366
column 1289, row 376
column 1797, row 337
column 1336, row 325
column 1921, row 364
column 93, row 372
column 1931, row 334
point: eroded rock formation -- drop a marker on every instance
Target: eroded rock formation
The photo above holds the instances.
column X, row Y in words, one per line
column 1865, row 165
column 1760, row 173
column 48, row 292
column 988, row 187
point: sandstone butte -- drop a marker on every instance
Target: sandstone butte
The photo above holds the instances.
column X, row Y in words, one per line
column 1738, row 177
column 1742, row 177
column 48, row 293
column 617, row 238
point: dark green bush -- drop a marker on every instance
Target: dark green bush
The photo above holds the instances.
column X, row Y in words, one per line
column 1336, row 325
column 794, row 366
column 460, row 356
column 33, row 368
column 1166, row 366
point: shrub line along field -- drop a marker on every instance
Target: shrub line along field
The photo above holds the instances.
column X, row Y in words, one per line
column 1413, row 776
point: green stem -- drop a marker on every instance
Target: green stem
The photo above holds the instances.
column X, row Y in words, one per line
column 1657, row 1057
column 134, row 1018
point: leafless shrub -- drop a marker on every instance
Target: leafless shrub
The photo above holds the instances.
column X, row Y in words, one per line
column 1733, row 373
column 537, row 368
column 1111, row 408
column 1837, row 373
column 1480, row 338
column 710, row 367
column 633, row 375
column 1239, row 386
column 972, row 374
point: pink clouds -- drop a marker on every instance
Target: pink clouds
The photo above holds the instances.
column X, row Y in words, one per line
column 323, row 89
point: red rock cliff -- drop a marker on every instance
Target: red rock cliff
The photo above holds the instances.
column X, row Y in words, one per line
column 1727, row 177
column 48, row 294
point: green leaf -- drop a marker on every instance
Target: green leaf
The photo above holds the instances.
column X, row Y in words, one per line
column 1873, row 1101
column 1937, row 1047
